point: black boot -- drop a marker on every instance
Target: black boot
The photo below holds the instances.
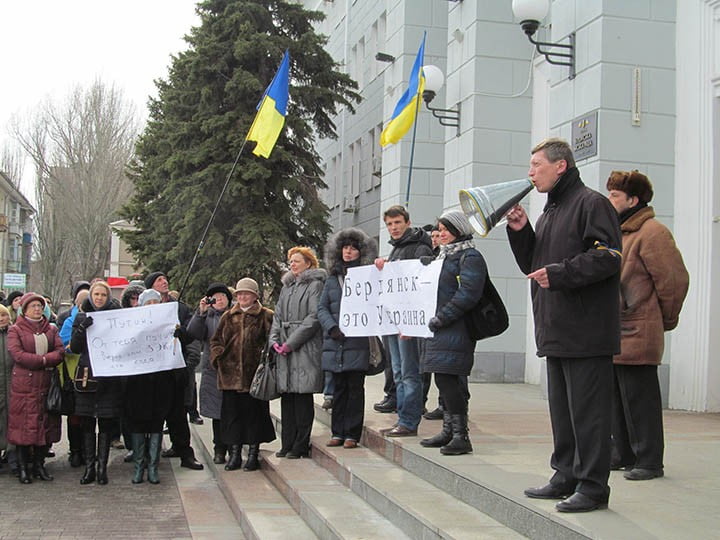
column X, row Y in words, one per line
column 39, row 464
column 235, row 459
column 154, row 447
column 219, row 457
column 252, row 463
column 75, row 442
column 460, row 443
column 138, row 447
column 88, row 442
column 103, row 455
column 442, row 438
column 21, row 453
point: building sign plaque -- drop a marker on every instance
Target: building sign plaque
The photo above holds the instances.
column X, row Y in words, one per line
column 584, row 136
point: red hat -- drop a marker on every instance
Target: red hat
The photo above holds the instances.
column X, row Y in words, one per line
column 30, row 296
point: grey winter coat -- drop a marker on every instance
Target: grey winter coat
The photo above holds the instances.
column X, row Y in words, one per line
column 296, row 324
column 202, row 327
column 346, row 354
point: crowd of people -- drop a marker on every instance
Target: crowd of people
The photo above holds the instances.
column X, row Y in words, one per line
column 583, row 293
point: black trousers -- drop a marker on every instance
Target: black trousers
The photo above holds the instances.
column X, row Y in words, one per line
column 218, row 444
column 177, row 420
column 580, row 400
column 637, row 427
column 348, row 411
column 297, row 412
column 389, row 388
column 454, row 393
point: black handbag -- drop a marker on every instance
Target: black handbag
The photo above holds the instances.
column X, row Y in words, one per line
column 61, row 397
column 264, row 383
column 377, row 360
column 53, row 401
column 83, row 381
column 488, row 317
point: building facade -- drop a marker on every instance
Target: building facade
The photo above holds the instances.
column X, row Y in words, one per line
column 16, row 236
column 644, row 95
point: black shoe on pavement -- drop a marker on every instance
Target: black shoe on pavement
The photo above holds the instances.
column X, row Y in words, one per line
column 548, row 491
column 191, row 463
column 129, row 457
column 578, row 502
column 386, row 406
column 437, row 414
column 643, row 474
column 169, row 453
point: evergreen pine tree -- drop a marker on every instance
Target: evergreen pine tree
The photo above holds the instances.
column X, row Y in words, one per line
column 195, row 129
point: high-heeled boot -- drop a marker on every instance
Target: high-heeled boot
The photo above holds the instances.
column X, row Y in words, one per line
column 460, row 443
column 138, row 447
column 89, row 450
column 21, row 453
column 103, row 453
column 235, row 459
column 155, row 446
column 39, row 470
column 252, row 463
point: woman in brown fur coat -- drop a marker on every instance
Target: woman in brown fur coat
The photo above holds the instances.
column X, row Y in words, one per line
column 235, row 351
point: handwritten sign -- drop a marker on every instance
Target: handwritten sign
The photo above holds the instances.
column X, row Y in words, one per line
column 134, row 341
column 399, row 299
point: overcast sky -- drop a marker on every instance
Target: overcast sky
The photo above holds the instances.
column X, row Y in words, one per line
column 47, row 47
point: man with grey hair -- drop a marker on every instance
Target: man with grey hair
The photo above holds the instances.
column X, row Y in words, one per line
column 572, row 258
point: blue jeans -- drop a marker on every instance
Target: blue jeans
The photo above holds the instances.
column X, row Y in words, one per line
column 405, row 359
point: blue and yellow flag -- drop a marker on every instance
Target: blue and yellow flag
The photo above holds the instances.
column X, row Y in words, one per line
column 272, row 109
column 406, row 109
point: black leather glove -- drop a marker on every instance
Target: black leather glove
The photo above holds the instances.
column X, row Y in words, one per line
column 426, row 259
column 178, row 332
column 86, row 323
column 435, row 324
column 337, row 334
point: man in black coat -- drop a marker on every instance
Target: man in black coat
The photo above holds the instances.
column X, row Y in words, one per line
column 177, row 420
column 408, row 243
column 573, row 261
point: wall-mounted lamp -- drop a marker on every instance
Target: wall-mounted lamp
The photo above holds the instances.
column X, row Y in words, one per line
column 434, row 80
column 384, row 57
column 530, row 13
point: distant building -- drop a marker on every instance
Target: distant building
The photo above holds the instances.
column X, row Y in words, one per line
column 122, row 262
column 16, row 236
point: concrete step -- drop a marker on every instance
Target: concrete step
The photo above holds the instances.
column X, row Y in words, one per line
column 330, row 509
column 467, row 478
column 417, row 507
column 261, row 511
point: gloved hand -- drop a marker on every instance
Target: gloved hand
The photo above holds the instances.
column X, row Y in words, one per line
column 435, row 324
column 86, row 323
column 178, row 331
column 337, row 334
column 426, row 259
column 282, row 349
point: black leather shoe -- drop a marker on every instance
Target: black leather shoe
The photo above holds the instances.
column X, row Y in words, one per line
column 170, row 453
column 437, row 414
column 191, row 463
column 281, row 453
column 548, row 491
column 297, row 455
column 643, row 474
column 219, row 457
column 578, row 502
column 386, row 406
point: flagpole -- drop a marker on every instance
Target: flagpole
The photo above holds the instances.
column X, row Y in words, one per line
column 412, row 149
column 209, row 223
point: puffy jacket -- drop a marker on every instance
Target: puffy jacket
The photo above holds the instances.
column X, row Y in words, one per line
column 296, row 323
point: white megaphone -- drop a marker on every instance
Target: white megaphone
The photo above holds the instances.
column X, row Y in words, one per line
column 487, row 206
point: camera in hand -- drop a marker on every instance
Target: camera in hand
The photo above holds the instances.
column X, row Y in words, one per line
column 209, row 300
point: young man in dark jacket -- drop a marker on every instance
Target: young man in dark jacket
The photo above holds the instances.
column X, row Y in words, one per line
column 573, row 261
column 408, row 243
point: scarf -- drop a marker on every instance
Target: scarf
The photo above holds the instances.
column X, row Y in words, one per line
column 455, row 247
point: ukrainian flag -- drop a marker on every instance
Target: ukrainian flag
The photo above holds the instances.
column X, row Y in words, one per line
column 272, row 109
column 406, row 109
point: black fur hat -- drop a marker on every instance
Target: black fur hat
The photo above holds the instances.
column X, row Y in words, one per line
column 349, row 237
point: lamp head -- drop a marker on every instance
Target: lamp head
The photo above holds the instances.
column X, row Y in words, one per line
column 530, row 13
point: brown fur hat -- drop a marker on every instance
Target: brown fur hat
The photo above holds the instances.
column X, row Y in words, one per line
column 634, row 183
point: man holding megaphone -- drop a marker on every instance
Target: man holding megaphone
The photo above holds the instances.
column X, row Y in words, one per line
column 573, row 259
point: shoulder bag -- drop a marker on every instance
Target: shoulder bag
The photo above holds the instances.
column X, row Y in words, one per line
column 488, row 317
column 264, row 383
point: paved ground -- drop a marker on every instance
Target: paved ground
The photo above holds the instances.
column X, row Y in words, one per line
column 65, row 509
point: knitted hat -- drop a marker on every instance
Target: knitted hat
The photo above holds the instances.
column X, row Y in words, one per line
column 147, row 295
column 221, row 288
column 248, row 285
column 12, row 296
column 77, row 287
column 29, row 297
column 633, row 183
column 456, row 222
column 150, row 279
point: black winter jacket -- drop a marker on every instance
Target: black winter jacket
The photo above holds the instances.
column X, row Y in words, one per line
column 578, row 240
column 415, row 243
column 451, row 350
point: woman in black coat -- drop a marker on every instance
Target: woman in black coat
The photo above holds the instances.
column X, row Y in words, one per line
column 102, row 398
column 346, row 358
column 449, row 354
